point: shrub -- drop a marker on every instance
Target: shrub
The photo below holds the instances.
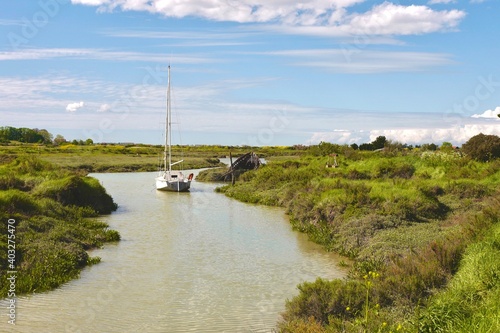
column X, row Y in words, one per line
column 483, row 147
column 322, row 298
column 78, row 191
column 390, row 169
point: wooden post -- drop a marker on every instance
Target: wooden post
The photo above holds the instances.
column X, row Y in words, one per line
column 231, row 168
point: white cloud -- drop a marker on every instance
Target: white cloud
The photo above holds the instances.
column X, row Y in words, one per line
column 73, row 107
column 410, row 128
column 489, row 114
column 98, row 54
column 355, row 60
column 303, row 12
column 390, row 19
column 104, row 108
column 340, row 137
column 456, row 135
column 433, row 2
column 305, row 17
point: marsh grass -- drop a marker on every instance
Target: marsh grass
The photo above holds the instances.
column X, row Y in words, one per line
column 471, row 301
column 110, row 158
column 54, row 210
column 410, row 217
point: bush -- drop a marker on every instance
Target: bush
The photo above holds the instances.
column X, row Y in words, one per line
column 78, row 191
column 390, row 169
column 322, row 299
column 483, row 147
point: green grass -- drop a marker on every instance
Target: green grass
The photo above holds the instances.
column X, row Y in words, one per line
column 471, row 300
column 53, row 210
column 409, row 216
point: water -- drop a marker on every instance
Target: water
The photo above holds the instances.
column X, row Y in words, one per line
column 187, row 262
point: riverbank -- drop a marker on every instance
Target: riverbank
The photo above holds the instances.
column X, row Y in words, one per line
column 48, row 220
column 405, row 217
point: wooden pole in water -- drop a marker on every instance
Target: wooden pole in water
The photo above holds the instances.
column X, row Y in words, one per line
column 231, row 168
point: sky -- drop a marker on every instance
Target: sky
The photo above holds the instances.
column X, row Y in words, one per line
column 252, row 72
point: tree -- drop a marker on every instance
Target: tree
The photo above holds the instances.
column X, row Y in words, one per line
column 47, row 137
column 366, row 146
column 482, row 147
column 10, row 133
column 379, row 142
column 446, row 147
column 59, row 140
column 429, row 146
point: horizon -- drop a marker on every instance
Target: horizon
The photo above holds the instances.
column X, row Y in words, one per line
column 253, row 73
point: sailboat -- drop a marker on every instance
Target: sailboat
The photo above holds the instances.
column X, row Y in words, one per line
column 168, row 179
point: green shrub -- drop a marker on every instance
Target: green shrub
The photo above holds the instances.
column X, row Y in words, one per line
column 78, row 191
column 467, row 189
column 322, row 299
column 483, row 147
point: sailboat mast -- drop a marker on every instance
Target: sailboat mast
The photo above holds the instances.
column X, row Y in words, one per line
column 169, row 125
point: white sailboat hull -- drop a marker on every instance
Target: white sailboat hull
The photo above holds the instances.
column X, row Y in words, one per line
column 174, row 182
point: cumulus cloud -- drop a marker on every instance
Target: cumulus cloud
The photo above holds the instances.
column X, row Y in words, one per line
column 306, row 16
column 73, row 107
column 390, row 19
column 489, row 114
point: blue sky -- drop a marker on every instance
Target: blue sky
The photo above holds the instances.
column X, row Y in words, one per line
column 252, row 72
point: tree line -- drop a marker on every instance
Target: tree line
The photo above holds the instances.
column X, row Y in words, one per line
column 26, row 135
column 35, row 135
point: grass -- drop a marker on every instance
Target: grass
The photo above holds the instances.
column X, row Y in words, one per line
column 110, row 158
column 53, row 210
column 471, row 300
column 410, row 216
